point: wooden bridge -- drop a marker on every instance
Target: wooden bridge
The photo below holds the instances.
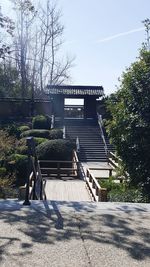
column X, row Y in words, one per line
column 61, row 180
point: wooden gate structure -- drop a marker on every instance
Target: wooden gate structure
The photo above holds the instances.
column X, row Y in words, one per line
column 90, row 94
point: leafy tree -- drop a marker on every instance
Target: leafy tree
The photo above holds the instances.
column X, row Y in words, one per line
column 129, row 127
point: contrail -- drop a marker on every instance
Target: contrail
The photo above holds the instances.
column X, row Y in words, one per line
column 120, row 34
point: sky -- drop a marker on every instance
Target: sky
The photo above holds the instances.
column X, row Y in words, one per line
column 104, row 37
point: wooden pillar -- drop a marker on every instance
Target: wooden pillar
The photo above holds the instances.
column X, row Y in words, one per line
column 58, row 106
column 89, row 107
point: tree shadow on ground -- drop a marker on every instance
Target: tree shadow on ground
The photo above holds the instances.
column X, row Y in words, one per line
column 49, row 223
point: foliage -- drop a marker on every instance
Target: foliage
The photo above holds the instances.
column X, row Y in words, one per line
column 39, row 140
column 12, row 129
column 23, row 150
column 41, row 122
column 56, row 134
column 22, row 144
column 24, row 128
column 36, row 133
column 129, row 195
column 109, row 184
column 129, row 127
column 121, row 192
column 19, row 164
column 7, row 144
column 2, row 171
column 6, row 26
column 6, row 188
column 56, row 150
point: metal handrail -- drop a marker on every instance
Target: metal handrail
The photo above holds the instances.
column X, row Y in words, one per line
column 100, row 122
column 64, row 132
column 52, row 121
column 77, row 145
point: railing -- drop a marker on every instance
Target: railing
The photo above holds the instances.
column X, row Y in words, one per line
column 113, row 159
column 64, row 132
column 58, row 169
column 100, row 122
column 76, row 164
column 116, row 162
column 35, row 185
column 77, row 145
column 52, row 121
column 98, row 193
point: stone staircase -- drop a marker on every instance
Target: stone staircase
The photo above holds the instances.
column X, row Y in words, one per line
column 91, row 143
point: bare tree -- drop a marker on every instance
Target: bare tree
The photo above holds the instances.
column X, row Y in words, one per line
column 25, row 15
column 52, row 68
column 6, row 28
column 37, row 41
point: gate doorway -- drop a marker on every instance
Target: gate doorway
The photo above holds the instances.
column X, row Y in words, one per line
column 85, row 98
column 74, row 108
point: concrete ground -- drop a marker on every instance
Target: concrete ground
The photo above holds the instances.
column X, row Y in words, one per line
column 74, row 234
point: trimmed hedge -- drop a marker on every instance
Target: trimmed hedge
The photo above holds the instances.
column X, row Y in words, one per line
column 41, row 122
column 24, row 128
column 39, row 140
column 55, row 134
column 59, row 149
column 36, row 133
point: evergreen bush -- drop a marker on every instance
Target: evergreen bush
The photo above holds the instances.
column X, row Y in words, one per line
column 59, row 149
column 36, row 133
column 41, row 122
column 56, row 134
column 19, row 164
column 24, row 128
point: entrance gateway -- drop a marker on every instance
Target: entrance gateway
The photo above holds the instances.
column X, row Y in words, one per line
column 90, row 95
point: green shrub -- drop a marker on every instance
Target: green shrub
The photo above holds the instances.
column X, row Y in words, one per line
column 13, row 130
column 121, row 192
column 7, row 144
column 109, row 184
column 56, row 134
column 41, row 122
column 19, row 164
column 22, row 147
column 23, row 150
column 2, row 171
column 39, row 140
column 24, row 128
column 36, row 133
column 55, row 150
column 128, row 195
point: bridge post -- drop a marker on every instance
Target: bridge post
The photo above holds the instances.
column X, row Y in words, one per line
column 102, row 195
column 27, row 202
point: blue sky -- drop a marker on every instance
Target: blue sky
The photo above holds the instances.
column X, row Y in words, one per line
column 88, row 23
column 104, row 37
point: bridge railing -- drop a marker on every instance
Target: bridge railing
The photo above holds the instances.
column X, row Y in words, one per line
column 98, row 193
column 100, row 122
column 60, row 168
column 35, row 185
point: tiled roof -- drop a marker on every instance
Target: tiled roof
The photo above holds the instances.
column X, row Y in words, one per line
column 74, row 90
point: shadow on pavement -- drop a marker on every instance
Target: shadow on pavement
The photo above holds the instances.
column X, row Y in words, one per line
column 47, row 223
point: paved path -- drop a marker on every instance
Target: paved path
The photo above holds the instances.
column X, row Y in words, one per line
column 74, row 234
column 97, row 173
column 69, row 190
